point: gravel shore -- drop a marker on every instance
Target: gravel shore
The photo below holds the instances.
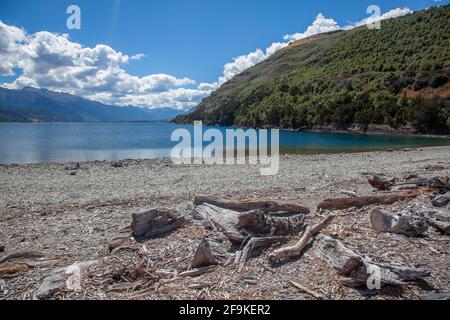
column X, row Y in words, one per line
column 72, row 213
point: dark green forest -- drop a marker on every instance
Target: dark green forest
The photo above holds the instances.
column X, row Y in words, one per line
column 396, row 76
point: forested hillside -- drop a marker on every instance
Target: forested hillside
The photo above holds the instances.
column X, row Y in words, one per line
column 397, row 75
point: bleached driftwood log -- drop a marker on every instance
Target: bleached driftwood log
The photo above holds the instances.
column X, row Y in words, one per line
column 203, row 257
column 442, row 200
column 442, row 226
column 296, row 249
column 155, row 222
column 258, row 222
column 438, row 218
column 382, row 182
column 248, row 205
column 356, row 271
column 223, row 220
column 382, row 199
column 406, row 225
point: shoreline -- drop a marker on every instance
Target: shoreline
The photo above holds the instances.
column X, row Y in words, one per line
column 75, row 217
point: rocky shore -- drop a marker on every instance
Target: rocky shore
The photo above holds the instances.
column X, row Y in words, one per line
column 53, row 216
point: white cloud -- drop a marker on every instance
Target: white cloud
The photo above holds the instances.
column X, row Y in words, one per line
column 320, row 25
column 394, row 13
column 53, row 61
column 138, row 56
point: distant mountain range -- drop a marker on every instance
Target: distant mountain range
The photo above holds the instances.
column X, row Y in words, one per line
column 31, row 104
column 396, row 76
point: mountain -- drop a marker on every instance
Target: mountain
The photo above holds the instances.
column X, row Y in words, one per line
column 31, row 104
column 396, row 76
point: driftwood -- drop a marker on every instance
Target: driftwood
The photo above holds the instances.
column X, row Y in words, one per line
column 248, row 205
column 436, row 217
column 203, row 257
column 221, row 219
column 307, row 290
column 435, row 182
column 382, row 182
column 442, row 226
column 197, row 272
column 13, row 268
column 155, row 222
column 356, row 271
column 442, row 200
column 255, row 244
column 406, row 225
column 22, row 255
column 296, row 249
column 441, row 296
column 260, row 223
column 383, row 199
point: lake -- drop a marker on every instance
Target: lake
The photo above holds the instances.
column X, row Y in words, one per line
column 67, row 142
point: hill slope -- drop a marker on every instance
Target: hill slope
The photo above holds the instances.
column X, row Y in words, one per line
column 397, row 75
column 30, row 104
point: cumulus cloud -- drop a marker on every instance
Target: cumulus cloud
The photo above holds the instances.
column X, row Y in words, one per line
column 53, row 61
column 320, row 25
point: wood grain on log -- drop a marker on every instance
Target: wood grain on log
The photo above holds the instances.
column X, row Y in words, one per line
column 258, row 222
column 248, row 205
column 383, row 199
column 355, row 270
column 155, row 222
column 406, row 225
column 296, row 249
column 221, row 219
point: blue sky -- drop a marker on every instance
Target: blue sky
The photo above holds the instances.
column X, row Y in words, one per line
column 183, row 39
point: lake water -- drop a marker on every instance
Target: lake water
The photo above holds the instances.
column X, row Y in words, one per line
column 67, row 142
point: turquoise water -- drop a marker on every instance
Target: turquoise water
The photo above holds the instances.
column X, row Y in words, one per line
column 66, row 142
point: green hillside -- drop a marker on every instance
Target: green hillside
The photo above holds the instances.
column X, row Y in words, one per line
column 396, row 76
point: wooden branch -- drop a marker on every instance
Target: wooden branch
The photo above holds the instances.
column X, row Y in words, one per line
column 260, row 223
column 296, row 249
column 406, row 225
column 306, row 290
column 197, row 272
column 154, row 223
column 203, row 257
column 355, row 270
column 255, row 244
column 383, row 199
column 248, row 205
